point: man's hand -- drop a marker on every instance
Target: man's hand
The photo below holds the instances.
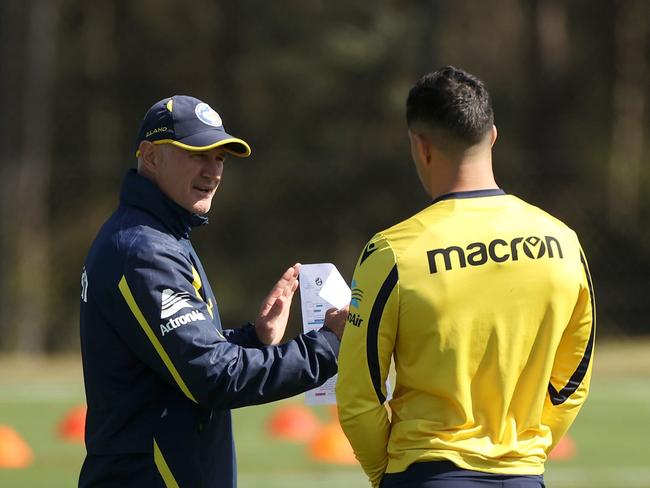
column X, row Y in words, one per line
column 271, row 322
column 335, row 320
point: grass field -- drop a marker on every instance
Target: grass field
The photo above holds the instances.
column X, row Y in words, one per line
column 612, row 432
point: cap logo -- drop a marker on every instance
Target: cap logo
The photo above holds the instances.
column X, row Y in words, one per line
column 207, row 115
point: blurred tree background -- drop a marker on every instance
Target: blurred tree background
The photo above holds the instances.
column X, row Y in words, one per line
column 318, row 90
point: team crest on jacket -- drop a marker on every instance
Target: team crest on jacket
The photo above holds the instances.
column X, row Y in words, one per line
column 172, row 302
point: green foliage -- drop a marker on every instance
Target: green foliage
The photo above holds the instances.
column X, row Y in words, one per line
column 318, row 90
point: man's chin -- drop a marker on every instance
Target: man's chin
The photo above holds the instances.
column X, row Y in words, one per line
column 201, row 209
column 199, row 206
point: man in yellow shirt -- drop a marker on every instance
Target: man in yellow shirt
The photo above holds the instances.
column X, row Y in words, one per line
column 484, row 303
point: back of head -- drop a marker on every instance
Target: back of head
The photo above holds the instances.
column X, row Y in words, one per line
column 452, row 101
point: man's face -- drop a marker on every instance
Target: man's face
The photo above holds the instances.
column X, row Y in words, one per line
column 189, row 178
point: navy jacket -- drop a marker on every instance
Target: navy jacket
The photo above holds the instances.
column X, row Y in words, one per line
column 160, row 373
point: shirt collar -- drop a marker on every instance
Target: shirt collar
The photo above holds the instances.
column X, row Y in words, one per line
column 492, row 192
column 138, row 191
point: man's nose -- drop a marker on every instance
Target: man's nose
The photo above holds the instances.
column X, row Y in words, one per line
column 213, row 168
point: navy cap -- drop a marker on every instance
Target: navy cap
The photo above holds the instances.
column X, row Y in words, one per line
column 190, row 124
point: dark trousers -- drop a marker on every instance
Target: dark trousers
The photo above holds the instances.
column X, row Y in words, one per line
column 445, row 474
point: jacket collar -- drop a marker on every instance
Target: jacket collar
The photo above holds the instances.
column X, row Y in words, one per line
column 138, row 191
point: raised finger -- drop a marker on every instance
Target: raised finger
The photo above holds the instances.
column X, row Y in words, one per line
column 291, row 288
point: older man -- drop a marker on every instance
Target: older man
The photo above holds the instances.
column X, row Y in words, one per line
column 161, row 374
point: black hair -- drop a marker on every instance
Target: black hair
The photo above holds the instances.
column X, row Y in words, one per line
column 453, row 100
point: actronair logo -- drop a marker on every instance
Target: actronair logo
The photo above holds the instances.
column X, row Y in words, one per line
column 173, row 301
column 498, row 250
column 193, row 316
column 355, row 319
column 356, row 295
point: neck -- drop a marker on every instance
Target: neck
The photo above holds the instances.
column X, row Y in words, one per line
column 470, row 171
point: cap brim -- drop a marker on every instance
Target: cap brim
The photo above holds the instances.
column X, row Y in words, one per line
column 206, row 140
column 209, row 139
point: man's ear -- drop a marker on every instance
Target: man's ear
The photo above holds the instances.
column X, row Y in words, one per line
column 420, row 146
column 148, row 156
column 494, row 135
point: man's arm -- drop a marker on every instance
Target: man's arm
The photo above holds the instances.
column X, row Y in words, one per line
column 365, row 357
column 271, row 322
column 571, row 375
column 244, row 336
column 170, row 329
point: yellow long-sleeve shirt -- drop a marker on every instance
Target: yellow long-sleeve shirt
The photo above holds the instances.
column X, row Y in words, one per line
column 486, row 306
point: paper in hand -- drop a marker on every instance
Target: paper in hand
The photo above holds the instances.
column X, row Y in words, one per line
column 321, row 288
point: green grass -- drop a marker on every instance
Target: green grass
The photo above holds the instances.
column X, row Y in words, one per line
column 611, row 432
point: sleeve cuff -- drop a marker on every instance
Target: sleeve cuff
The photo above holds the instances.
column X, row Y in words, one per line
column 331, row 338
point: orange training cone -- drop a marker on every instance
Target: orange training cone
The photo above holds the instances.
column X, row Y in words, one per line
column 14, row 451
column 293, row 423
column 564, row 450
column 331, row 446
column 334, row 413
column 72, row 427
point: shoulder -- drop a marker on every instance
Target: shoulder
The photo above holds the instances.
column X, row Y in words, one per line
column 401, row 236
column 138, row 231
column 406, row 227
column 131, row 233
column 385, row 246
column 542, row 217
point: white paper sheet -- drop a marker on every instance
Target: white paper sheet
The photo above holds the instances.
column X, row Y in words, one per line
column 321, row 288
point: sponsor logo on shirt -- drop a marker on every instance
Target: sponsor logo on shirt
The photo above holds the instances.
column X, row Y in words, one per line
column 355, row 319
column 173, row 301
column 369, row 249
column 357, row 295
column 497, row 250
column 193, row 316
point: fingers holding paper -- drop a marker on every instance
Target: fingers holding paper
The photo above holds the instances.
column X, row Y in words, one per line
column 335, row 320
